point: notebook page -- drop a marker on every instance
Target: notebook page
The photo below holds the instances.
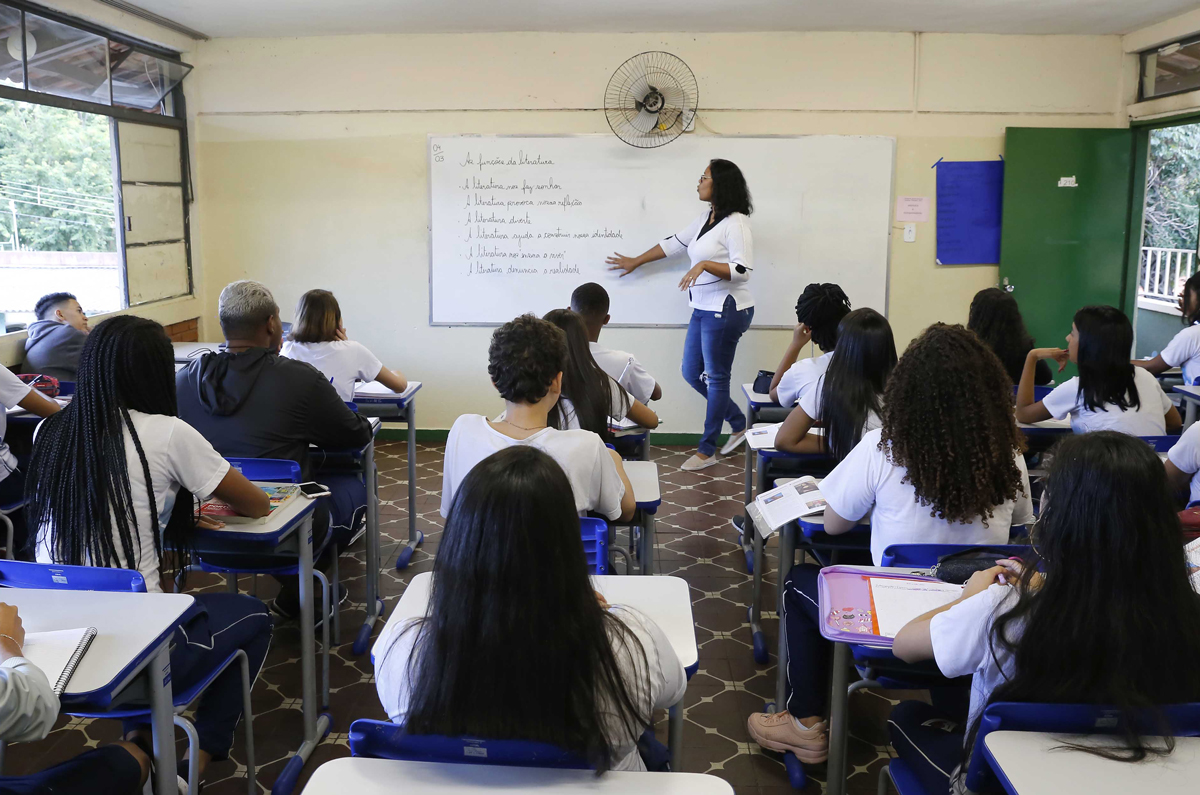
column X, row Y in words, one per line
column 51, row 651
column 1192, row 553
column 897, row 602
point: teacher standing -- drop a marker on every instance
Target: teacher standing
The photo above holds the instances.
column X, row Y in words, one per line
column 719, row 246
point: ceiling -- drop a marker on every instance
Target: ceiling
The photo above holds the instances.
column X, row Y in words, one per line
column 278, row 18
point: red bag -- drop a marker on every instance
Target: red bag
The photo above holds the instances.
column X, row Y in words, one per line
column 46, row 384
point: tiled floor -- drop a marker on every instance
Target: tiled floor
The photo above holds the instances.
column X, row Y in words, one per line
column 695, row 541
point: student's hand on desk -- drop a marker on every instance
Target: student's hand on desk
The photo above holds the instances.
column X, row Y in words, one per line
column 14, row 634
column 1060, row 355
column 208, row 523
column 620, row 262
column 982, row 580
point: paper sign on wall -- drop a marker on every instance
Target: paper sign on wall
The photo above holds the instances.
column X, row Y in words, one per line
column 912, row 208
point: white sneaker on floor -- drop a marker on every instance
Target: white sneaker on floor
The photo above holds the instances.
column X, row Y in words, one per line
column 735, row 441
column 696, row 462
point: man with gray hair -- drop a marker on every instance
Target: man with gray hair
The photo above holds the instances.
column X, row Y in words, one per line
column 249, row 402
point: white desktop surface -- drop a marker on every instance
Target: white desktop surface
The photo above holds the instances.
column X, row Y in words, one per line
column 119, row 638
column 386, row 776
column 756, row 397
column 665, row 600
column 1032, row 767
column 1190, row 392
column 289, row 513
column 643, row 476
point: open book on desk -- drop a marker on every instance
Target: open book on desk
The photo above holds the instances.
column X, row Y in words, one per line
column 222, row 511
column 791, row 501
column 1192, row 552
column 58, row 653
column 374, row 390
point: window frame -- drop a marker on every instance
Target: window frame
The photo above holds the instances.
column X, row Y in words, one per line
column 1143, row 57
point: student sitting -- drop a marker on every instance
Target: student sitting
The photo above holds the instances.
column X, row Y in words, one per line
column 945, row 468
column 819, row 310
column 129, row 457
column 506, row 652
column 1184, row 348
column 589, row 395
column 1183, row 465
column 591, row 302
column 319, row 338
column 847, row 396
column 996, row 318
column 525, row 361
column 56, row 337
column 15, row 392
column 28, row 709
column 1069, row 626
column 249, row 402
column 1109, row 393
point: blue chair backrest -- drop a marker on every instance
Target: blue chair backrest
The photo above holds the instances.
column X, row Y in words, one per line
column 66, row 388
column 925, row 555
column 1039, row 392
column 51, row 576
column 1182, row 720
column 595, row 543
column 1161, row 444
column 276, row 470
column 382, row 740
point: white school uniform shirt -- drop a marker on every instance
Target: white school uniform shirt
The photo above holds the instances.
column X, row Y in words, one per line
column 28, row 706
column 12, row 391
column 800, row 379
column 618, row 407
column 1185, row 455
column 728, row 241
column 178, row 456
column 1184, row 351
column 341, row 361
column 1148, row 419
column 811, row 405
column 581, row 454
column 661, row 669
column 867, row 481
column 627, row 371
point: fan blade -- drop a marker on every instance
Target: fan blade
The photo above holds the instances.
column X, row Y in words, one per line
column 644, row 122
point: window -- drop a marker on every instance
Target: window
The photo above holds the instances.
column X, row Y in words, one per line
column 1171, row 69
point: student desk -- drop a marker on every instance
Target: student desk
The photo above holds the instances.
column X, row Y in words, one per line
column 386, row 776
column 643, row 476
column 634, row 435
column 395, row 408
column 665, row 600
column 288, row 534
column 1191, row 396
column 128, row 661
column 19, row 416
column 1051, row 427
column 186, row 351
column 1026, row 764
column 757, row 404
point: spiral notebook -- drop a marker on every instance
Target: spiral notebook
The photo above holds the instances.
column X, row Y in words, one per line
column 58, row 653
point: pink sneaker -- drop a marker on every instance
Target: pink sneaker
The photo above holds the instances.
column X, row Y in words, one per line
column 781, row 732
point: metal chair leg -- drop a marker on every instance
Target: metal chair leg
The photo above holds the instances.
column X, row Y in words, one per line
column 193, row 777
column 231, row 582
column 8, row 536
column 248, row 718
column 334, row 603
column 885, row 776
column 324, row 637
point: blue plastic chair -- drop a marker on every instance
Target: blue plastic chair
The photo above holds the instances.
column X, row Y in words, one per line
column 1039, row 392
column 595, row 544
column 924, row 556
column 47, row 576
column 1182, row 720
column 1161, row 444
column 5, row 510
column 377, row 739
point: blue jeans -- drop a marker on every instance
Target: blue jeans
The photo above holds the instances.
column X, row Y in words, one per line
column 708, row 351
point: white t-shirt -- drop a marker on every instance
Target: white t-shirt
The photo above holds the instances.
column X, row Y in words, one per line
column 1146, row 420
column 12, row 391
column 666, row 676
column 1186, row 456
column 800, row 378
column 582, row 455
column 177, row 456
column 810, row 403
column 728, row 241
column 867, row 481
column 1184, row 351
column 341, row 361
column 625, row 370
column 618, row 408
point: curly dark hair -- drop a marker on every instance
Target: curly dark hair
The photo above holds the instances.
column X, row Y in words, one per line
column 948, row 420
column 524, row 356
column 729, row 191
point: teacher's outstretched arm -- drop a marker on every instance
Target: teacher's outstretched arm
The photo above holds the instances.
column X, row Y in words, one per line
column 620, row 262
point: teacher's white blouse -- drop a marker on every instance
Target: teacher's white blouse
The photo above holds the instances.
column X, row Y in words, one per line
column 729, row 241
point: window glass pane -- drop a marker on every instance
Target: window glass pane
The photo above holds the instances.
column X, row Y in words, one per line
column 148, row 154
column 141, row 80
column 153, row 213
column 67, row 61
column 157, row 272
column 1171, row 70
column 11, row 73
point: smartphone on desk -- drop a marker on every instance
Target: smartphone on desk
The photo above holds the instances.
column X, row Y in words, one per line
column 312, row 490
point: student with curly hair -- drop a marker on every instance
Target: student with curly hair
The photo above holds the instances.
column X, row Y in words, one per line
column 1184, row 348
column 1109, row 393
column 819, row 310
column 525, row 360
column 945, row 468
column 996, row 318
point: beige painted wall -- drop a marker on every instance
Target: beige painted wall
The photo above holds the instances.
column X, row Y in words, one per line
column 311, row 159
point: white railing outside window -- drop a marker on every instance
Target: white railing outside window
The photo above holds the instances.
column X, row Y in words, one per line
column 1162, row 272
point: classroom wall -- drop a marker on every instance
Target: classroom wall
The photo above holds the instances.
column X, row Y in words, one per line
column 311, row 159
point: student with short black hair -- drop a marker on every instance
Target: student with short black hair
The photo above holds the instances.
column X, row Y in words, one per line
column 996, row 318
column 526, row 360
column 1183, row 350
column 56, row 338
column 515, row 643
column 1109, row 393
column 591, row 302
column 819, row 310
column 589, row 395
column 1070, row 625
column 319, row 338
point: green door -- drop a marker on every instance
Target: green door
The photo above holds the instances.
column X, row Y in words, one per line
column 1065, row 247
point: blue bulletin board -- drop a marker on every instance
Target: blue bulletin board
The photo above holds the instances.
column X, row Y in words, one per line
column 969, row 195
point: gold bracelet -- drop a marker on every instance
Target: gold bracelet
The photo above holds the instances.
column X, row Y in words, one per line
column 14, row 641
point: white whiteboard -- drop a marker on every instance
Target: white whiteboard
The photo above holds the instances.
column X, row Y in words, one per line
column 518, row 222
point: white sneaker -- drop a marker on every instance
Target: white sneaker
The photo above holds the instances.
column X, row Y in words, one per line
column 735, row 441
column 696, row 462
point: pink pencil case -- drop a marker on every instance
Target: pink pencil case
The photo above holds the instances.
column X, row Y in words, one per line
column 846, row 609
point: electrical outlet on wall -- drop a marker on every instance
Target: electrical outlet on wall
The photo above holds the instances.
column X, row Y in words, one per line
column 910, row 233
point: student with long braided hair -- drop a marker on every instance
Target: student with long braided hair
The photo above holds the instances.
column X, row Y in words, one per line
column 129, row 457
